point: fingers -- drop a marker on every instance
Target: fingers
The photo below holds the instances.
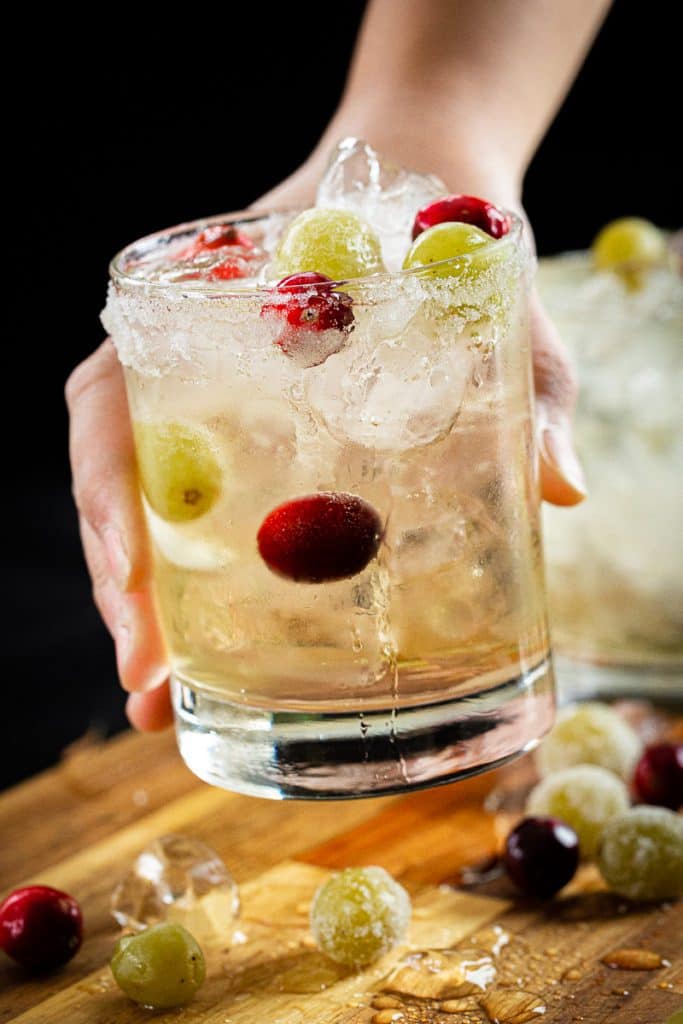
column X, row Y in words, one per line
column 111, row 519
column 150, row 712
column 562, row 480
column 130, row 618
column 103, row 465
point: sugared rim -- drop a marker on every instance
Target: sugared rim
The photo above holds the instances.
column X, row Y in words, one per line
column 144, row 246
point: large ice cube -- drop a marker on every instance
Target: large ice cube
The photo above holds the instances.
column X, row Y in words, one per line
column 177, row 878
column 388, row 197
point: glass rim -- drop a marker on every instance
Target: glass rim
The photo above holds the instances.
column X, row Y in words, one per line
column 120, row 276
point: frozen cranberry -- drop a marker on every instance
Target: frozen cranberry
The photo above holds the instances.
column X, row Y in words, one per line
column 306, row 304
column 658, row 777
column 541, row 855
column 467, row 210
column 229, row 269
column 219, row 235
column 320, row 537
column 40, row 927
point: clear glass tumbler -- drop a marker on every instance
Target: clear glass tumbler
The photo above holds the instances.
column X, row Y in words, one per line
column 615, row 563
column 428, row 660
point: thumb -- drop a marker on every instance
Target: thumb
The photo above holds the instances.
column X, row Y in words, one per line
column 562, row 479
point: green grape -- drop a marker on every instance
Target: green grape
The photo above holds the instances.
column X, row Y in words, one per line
column 159, row 968
column 336, row 243
column 450, row 240
column 675, row 1018
column 179, row 472
column 641, row 855
column 359, row 914
column 629, row 244
column 590, row 733
column 586, row 797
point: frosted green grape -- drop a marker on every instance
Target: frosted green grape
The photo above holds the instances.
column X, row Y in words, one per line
column 179, row 471
column 159, row 968
column 332, row 242
column 641, row 855
column 590, row 733
column 448, row 241
column 359, row 914
column 586, row 797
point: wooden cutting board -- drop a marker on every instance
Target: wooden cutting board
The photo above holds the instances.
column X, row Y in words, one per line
column 471, row 956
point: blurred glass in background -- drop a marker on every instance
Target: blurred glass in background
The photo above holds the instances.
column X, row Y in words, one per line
column 614, row 564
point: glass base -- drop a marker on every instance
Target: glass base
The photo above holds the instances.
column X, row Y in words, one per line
column 581, row 680
column 288, row 755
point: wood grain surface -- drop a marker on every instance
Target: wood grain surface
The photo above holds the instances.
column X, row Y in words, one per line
column 79, row 826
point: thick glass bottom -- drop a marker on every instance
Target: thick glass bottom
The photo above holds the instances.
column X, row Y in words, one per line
column 290, row 755
column 581, row 680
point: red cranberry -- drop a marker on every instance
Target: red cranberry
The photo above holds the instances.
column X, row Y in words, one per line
column 306, row 304
column 40, row 927
column 219, row 235
column 658, row 777
column 320, row 537
column 466, row 209
column 541, row 856
column 229, row 269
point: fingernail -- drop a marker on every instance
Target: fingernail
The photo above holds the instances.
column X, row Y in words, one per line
column 117, row 557
column 557, row 451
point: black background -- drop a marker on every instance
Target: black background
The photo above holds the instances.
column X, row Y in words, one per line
column 123, row 131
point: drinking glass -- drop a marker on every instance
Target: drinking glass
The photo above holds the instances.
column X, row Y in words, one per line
column 615, row 563
column 429, row 661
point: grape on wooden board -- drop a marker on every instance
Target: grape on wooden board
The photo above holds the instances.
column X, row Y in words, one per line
column 641, row 854
column 159, row 968
column 359, row 914
column 585, row 797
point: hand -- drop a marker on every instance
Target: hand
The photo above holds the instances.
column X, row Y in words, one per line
column 110, row 513
column 113, row 532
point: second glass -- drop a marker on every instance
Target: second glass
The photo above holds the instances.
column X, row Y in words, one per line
column 431, row 661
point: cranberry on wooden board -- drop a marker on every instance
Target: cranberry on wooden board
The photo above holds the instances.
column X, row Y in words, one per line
column 320, row 537
column 465, row 209
column 541, row 856
column 658, row 777
column 40, row 927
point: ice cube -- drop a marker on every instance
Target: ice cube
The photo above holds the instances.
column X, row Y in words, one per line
column 404, row 392
column 388, row 197
column 177, row 878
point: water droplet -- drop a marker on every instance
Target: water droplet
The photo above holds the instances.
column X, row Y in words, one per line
column 456, row 1005
column 386, row 1003
column 440, row 974
column 512, row 1006
column 634, row 960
